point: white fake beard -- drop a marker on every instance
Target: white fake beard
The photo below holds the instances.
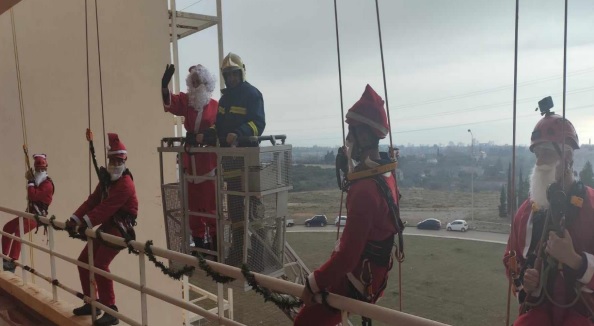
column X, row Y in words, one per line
column 40, row 177
column 198, row 97
column 542, row 176
column 116, row 171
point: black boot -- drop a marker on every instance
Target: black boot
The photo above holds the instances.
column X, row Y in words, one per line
column 107, row 319
column 85, row 310
column 8, row 265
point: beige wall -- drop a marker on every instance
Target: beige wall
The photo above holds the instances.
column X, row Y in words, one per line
column 134, row 50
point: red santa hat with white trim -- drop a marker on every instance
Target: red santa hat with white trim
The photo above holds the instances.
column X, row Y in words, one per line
column 40, row 160
column 369, row 110
column 116, row 148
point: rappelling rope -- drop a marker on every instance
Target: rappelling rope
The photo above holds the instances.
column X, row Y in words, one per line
column 23, row 120
column 391, row 151
column 341, row 110
column 512, row 185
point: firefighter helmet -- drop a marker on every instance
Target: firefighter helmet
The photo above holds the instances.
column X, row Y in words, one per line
column 233, row 62
column 554, row 128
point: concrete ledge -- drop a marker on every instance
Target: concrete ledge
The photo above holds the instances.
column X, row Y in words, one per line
column 40, row 301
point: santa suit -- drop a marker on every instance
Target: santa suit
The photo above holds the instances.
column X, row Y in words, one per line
column 121, row 201
column 369, row 220
column 39, row 197
column 582, row 233
column 201, row 193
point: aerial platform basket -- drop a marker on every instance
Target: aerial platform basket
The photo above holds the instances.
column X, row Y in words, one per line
column 252, row 185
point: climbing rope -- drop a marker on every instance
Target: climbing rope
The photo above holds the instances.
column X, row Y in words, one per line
column 23, row 119
column 512, row 185
column 379, row 31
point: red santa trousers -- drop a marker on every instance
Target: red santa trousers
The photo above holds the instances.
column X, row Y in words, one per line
column 10, row 247
column 102, row 256
column 202, row 198
column 320, row 314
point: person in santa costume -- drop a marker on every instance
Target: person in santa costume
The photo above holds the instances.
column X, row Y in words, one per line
column 199, row 111
column 40, row 191
column 553, row 279
column 359, row 265
column 113, row 207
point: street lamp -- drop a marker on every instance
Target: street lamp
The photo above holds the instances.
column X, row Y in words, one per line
column 471, row 177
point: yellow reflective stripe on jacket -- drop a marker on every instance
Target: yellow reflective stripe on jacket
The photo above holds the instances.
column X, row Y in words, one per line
column 254, row 128
column 221, row 110
column 238, row 110
column 231, row 174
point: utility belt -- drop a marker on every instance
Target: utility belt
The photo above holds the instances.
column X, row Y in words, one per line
column 39, row 208
column 378, row 253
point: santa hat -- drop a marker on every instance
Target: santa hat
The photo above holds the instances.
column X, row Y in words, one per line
column 369, row 111
column 116, row 148
column 40, row 160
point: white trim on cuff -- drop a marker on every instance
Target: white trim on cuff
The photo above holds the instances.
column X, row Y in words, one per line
column 31, row 184
column 589, row 269
column 312, row 283
column 76, row 219
column 88, row 221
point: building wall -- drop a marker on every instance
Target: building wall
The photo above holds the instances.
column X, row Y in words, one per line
column 134, row 43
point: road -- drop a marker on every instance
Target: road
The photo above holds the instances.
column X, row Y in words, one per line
column 469, row 235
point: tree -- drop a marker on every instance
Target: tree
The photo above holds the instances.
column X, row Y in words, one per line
column 586, row 175
column 503, row 202
column 329, row 157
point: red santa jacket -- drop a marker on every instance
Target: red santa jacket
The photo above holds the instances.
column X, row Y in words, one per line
column 581, row 231
column 369, row 219
column 204, row 163
column 121, row 198
column 40, row 197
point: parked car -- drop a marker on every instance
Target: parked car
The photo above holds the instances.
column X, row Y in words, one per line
column 289, row 222
column 429, row 224
column 457, row 225
column 342, row 221
column 317, row 220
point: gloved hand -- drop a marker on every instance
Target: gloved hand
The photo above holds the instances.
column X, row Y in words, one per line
column 71, row 223
column 231, row 138
column 209, row 137
column 191, row 139
column 29, row 175
column 169, row 71
column 199, row 138
column 165, row 95
column 342, row 162
column 81, row 230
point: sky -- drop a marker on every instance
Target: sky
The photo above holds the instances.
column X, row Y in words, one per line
column 449, row 64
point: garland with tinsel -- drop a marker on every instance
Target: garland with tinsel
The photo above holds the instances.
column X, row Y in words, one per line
column 176, row 275
column 217, row 277
column 283, row 301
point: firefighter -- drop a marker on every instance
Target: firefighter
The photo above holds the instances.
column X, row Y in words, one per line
column 240, row 114
column 359, row 265
column 40, row 191
column 112, row 206
column 199, row 111
column 562, row 210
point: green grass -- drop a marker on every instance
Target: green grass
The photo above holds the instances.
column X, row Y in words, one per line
column 453, row 281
